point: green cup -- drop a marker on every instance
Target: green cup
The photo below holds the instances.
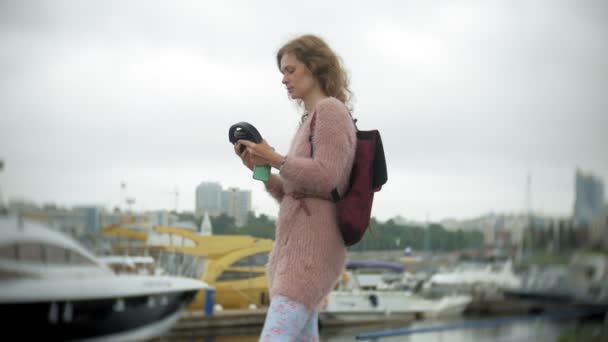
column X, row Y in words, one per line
column 261, row 172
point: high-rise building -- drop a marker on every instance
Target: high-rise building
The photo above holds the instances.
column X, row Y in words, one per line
column 599, row 230
column 208, row 199
column 589, row 201
column 236, row 203
column 214, row 201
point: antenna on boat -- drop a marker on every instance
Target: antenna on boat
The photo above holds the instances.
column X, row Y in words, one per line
column 123, row 192
column 528, row 235
column 175, row 193
column 427, row 235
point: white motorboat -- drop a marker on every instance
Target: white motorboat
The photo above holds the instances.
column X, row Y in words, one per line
column 52, row 288
column 583, row 281
column 356, row 303
column 477, row 276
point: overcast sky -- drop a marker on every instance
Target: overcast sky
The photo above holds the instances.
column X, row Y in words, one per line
column 470, row 97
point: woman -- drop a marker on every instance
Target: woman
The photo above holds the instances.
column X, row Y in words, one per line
column 309, row 254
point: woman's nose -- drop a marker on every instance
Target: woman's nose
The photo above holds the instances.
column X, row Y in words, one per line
column 284, row 81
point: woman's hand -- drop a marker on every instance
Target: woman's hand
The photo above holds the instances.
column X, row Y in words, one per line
column 245, row 156
column 262, row 153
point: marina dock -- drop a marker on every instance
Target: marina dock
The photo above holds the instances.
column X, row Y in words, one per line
column 195, row 320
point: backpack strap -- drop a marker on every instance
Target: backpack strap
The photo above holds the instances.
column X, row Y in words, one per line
column 335, row 196
column 313, row 120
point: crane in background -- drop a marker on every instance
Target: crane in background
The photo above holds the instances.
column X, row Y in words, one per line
column 129, row 201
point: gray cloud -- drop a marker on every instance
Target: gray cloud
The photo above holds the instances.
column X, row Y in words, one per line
column 470, row 96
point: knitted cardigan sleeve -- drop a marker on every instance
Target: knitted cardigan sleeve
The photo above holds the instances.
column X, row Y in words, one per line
column 274, row 186
column 333, row 143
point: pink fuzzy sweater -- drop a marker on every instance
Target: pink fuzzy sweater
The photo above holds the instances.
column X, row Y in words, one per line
column 309, row 254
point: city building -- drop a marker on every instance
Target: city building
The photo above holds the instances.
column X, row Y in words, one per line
column 599, row 230
column 211, row 199
column 91, row 216
column 589, row 200
column 208, row 199
column 236, row 203
column 159, row 217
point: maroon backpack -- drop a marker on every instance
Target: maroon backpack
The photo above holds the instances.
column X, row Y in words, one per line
column 354, row 209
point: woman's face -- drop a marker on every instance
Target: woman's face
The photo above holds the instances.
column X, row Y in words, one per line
column 298, row 80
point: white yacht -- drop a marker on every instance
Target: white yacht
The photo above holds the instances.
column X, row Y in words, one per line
column 477, row 276
column 373, row 305
column 583, row 281
column 52, row 288
column 354, row 302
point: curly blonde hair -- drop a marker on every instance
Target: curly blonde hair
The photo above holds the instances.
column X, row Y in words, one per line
column 323, row 63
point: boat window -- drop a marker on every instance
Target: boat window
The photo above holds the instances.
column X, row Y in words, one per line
column 55, row 254
column 235, row 275
column 259, row 259
column 78, row 259
column 14, row 275
column 8, row 252
column 30, row 252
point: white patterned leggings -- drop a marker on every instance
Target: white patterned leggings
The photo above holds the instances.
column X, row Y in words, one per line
column 288, row 320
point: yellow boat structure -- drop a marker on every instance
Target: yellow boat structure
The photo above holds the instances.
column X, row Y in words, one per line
column 233, row 264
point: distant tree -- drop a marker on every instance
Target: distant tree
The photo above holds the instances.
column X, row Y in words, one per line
column 259, row 226
column 383, row 236
column 223, row 225
column 49, row 206
column 186, row 216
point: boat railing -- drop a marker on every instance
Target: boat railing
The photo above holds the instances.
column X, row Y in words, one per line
column 180, row 264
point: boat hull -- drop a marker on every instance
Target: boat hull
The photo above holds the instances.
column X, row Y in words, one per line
column 118, row 319
column 359, row 305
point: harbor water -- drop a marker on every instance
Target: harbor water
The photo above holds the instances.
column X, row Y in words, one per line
column 532, row 330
